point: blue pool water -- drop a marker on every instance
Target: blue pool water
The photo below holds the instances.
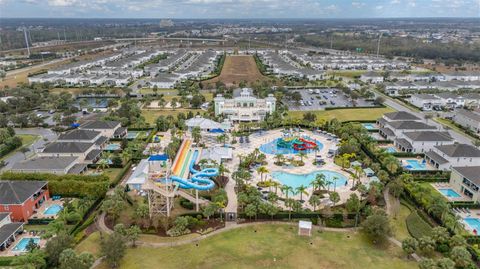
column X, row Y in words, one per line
column 415, row 165
column 369, row 126
column 449, row 193
column 271, row 148
column 52, row 210
column 113, row 147
column 22, row 244
column 474, row 223
column 132, row 134
column 296, row 180
column 391, row 149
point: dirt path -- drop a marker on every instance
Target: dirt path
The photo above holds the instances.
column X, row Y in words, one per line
column 238, row 68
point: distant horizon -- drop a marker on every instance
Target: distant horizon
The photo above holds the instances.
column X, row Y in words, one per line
column 234, row 19
column 239, row 9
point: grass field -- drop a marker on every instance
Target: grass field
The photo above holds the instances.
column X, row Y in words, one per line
column 452, row 125
column 112, row 173
column 345, row 114
column 271, row 246
column 27, row 140
column 237, row 69
column 399, row 223
column 152, row 115
column 347, row 73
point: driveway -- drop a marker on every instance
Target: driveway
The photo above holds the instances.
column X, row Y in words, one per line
column 46, row 135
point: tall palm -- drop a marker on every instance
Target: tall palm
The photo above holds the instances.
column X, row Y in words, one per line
column 302, row 155
column 320, row 181
column 286, row 189
column 262, row 170
column 302, row 190
column 276, row 185
column 279, row 158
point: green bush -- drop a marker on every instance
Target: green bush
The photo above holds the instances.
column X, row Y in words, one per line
column 186, row 204
column 416, row 226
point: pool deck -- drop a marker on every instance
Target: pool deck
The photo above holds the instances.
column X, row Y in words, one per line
column 39, row 211
column 9, row 251
column 446, row 185
column 256, row 140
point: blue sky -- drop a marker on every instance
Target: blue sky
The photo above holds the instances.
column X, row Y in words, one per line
column 238, row 8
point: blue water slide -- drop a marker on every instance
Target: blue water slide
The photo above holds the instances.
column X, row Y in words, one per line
column 200, row 180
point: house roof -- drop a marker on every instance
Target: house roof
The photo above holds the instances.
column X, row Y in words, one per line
column 94, row 153
column 3, row 215
column 101, row 140
column 425, row 96
column 140, row 174
column 97, row 124
column 203, row 123
column 16, row 192
column 79, row 134
column 472, row 173
column 67, row 147
column 404, row 142
column 411, row 125
column 459, row 150
column 401, row 115
column 387, row 131
column 44, row 163
column 120, row 131
column 217, row 153
column 429, row 136
column 469, row 114
column 7, row 230
column 436, row 157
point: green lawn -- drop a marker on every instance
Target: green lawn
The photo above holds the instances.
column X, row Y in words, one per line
column 152, row 115
column 345, row 114
column 271, row 246
column 27, row 140
column 450, row 124
column 90, row 244
column 417, row 226
column 347, row 73
column 399, row 223
column 112, row 173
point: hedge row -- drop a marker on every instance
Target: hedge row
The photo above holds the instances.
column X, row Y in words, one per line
column 52, row 177
column 67, row 185
column 416, row 226
column 122, row 173
column 355, row 107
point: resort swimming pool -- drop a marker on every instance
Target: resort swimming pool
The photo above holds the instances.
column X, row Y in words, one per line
column 296, row 180
column 474, row 223
column 415, row 165
column 53, row 210
column 272, row 148
column 369, row 126
column 22, row 245
column 113, row 147
column 450, row 193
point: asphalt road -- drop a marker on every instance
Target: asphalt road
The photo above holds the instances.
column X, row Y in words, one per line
column 46, row 135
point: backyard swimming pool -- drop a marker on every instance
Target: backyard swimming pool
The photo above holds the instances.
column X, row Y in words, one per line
column 473, row 223
column 369, row 126
column 272, row 148
column 391, row 149
column 112, row 147
column 52, row 210
column 296, row 180
column 132, row 134
column 450, row 193
column 23, row 243
column 415, row 165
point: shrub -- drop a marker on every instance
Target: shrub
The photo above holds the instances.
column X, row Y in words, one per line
column 186, row 204
column 416, row 226
column 180, row 227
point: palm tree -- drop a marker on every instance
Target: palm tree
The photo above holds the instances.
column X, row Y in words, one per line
column 302, row 190
column 314, row 201
column 196, row 134
column 262, row 170
column 276, row 185
column 358, row 172
column 334, row 197
column 279, row 158
column 286, row 189
column 320, row 181
column 302, row 155
column 102, row 164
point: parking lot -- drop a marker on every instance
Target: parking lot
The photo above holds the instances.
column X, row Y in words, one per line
column 319, row 99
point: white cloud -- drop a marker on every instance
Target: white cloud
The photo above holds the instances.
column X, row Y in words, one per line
column 62, row 3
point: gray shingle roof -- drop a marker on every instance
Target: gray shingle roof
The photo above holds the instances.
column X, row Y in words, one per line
column 44, row 163
column 411, row 125
column 8, row 229
column 79, row 134
column 428, row 136
column 437, row 158
column 67, row 147
column 404, row 143
column 459, row 150
column 16, row 192
column 97, row 124
column 401, row 115
column 469, row 114
column 470, row 172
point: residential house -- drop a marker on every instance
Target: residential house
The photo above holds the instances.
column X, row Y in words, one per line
column 21, row 198
column 445, row 157
column 110, row 129
column 425, row 102
column 422, row 141
column 8, row 230
column 466, row 180
column 468, row 119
